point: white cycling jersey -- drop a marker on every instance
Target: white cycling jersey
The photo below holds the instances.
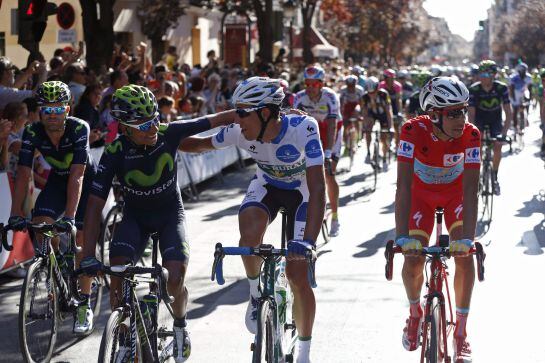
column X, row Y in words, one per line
column 282, row 162
column 351, row 97
column 328, row 106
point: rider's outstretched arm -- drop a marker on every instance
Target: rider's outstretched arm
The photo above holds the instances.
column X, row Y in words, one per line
column 403, row 197
column 316, row 201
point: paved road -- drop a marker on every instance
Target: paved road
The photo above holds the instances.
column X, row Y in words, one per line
column 359, row 314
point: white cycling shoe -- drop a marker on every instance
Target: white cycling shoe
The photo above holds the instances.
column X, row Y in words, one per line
column 251, row 314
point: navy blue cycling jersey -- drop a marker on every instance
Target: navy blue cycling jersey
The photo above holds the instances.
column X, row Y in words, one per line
column 147, row 174
column 488, row 104
column 72, row 149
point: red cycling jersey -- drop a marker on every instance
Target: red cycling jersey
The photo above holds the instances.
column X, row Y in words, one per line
column 438, row 171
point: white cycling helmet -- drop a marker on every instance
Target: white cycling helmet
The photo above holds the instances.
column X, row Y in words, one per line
column 371, row 84
column 259, row 91
column 351, row 79
column 522, row 67
column 314, row 72
column 441, row 92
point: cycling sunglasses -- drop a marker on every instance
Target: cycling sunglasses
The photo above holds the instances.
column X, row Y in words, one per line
column 454, row 113
column 146, row 126
column 313, row 83
column 485, row 75
column 53, row 110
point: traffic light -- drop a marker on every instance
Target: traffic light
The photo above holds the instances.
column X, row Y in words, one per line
column 32, row 20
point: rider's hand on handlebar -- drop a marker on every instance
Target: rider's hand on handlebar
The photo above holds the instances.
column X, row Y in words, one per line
column 409, row 246
column 17, row 223
column 460, row 247
column 90, row 266
column 65, row 224
column 297, row 249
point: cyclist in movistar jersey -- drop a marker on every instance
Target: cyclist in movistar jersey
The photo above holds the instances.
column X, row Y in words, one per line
column 487, row 98
column 64, row 142
column 144, row 160
column 377, row 106
column 289, row 175
column 419, row 80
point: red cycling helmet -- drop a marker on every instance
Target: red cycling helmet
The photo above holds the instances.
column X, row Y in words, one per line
column 389, row 73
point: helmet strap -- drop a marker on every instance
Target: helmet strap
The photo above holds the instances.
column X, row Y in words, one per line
column 439, row 125
column 263, row 124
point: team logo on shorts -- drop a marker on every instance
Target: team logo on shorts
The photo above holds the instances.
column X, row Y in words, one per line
column 452, row 159
column 405, row 149
column 473, row 155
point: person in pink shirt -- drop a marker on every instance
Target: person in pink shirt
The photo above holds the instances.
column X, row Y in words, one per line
column 395, row 90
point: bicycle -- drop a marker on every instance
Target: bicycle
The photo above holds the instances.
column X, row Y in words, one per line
column 435, row 326
column 486, row 182
column 520, row 122
column 325, row 228
column 375, row 157
column 108, row 226
column 276, row 331
column 351, row 140
column 135, row 323
column 49, row 292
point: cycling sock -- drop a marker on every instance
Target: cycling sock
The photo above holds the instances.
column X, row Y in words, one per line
column 415, row 308
column 254, row 286
column 334, row 215
column 303, row 352
column 461, row 321
column 180, row 322
column 85, row 299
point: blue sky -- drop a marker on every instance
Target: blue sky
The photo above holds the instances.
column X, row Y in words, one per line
column 462, row 16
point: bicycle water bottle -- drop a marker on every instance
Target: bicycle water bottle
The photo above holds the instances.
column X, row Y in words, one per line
column 280, row 286
column 146, row 315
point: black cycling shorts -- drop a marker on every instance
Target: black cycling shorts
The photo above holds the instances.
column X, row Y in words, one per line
column 133, row 233
column 495, row 126
column 51, row 201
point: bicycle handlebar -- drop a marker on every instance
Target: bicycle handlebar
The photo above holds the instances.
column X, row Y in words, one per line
column 124, row 271
column 46, row 227
column 262, row 251
column 4, row 230
column 435, row 251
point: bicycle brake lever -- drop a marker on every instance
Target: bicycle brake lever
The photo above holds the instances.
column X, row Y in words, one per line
column 5, row 244
column 311, row 259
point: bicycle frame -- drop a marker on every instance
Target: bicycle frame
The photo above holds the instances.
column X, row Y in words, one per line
column 67, row 286
column 436, row 257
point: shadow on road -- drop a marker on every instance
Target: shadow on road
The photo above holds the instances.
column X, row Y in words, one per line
column 233, row 210
column 388, row 209
column 371, row 247
column 234, row 294
column 356, row 179
column 534, row 239
column 353, row 197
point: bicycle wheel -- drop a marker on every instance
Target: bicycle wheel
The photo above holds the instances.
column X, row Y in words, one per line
column 96, row 295
column 265, row 339
column 376, row 163
column 325, row 229
column 487, row 194
column 38, row 313
column 115, row 332
column 432, row 331
column 106, row 236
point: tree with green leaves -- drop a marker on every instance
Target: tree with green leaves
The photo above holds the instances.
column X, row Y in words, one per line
column 156, row 17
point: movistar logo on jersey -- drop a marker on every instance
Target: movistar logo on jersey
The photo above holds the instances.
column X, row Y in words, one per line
column 30, row 131
column 114, row 147
column 144, row 180
column 60, row 164
column 287, row 153
column 489, row 104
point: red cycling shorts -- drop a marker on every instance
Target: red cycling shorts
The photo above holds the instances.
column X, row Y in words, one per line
column 423, row 204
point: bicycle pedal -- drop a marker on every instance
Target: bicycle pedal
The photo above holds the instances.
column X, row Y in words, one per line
column 289, row 326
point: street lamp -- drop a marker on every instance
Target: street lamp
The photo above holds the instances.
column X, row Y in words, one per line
column 290, row 10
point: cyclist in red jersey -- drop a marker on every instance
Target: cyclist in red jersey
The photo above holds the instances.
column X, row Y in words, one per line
column 438, row 166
